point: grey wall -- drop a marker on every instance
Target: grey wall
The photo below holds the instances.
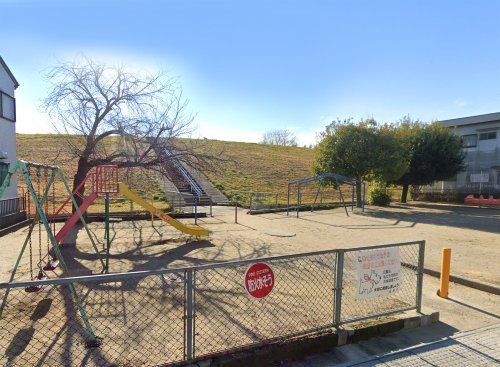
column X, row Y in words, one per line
column 8, row 133
column 484, row 158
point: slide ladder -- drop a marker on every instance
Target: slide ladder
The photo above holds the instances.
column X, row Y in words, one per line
column 188, row 229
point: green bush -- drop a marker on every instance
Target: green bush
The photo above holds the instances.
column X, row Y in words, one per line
column 379, row 197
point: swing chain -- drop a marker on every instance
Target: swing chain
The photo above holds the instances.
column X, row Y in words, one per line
column 47, row 206
column 29, row 196
column 53, row 204
column 38, row 176
column 31, row 233
column 31, row 255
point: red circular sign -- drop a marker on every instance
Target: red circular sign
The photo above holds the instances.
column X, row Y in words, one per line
column 259, row 280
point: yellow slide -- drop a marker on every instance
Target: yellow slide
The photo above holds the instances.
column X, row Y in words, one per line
column 191, row 230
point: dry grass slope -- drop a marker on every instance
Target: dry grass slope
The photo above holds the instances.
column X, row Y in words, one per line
column 257, row 167
column 245, row 166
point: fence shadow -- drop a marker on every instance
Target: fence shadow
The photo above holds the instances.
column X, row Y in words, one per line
column 439, row 346
column 476, row 309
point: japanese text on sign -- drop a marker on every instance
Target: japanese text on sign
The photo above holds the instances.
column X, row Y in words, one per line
column 378, row 272
column 259, row 280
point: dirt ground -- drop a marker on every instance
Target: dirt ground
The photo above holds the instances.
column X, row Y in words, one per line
column 473, row 234
column 140, row 316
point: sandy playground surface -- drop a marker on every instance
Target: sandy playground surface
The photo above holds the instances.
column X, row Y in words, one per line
column 472, row 233
column 139, row 317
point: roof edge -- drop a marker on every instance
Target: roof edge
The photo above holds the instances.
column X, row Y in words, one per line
column 471, row 120
column 16, row 83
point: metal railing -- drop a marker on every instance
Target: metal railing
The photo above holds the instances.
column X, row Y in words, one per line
column 12, row 206
column 257, row 200
column 311, row 198
column 158, row 317
column 194, row 185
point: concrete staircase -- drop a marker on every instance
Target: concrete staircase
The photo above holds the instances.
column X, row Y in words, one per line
column 210, row 190
column 172, row 194
column 192, row 182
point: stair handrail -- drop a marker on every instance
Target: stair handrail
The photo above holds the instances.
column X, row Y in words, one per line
column 185, row 174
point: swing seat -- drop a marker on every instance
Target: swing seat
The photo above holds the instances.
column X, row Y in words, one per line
column 35, row 288
column 51, row 265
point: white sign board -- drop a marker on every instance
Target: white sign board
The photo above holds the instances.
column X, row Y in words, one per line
column 378, row 272
column 479, row 177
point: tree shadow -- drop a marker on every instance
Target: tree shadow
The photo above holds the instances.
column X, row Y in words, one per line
column 139, row 242
column 149, row 308
column 480, row 219
column 395, row 225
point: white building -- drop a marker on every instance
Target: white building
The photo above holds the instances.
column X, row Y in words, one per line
column 481, row 139
column 8, row 84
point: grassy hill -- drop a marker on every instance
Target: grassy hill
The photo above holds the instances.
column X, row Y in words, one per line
column 244, row 166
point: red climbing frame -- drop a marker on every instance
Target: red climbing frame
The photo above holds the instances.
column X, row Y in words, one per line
column 103, row 181
column 107, row 179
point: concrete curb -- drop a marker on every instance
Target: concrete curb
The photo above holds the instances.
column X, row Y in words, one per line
column 14, row 227
column 286, row 350
column 305, row 208
column 485, row 287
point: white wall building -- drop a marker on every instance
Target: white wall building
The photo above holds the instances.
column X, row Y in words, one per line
column 8, row 84
column 481, row 144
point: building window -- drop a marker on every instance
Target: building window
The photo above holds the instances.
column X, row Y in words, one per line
column 469, row 141
column 488, row 136
column 4, row 169
column 7, row 107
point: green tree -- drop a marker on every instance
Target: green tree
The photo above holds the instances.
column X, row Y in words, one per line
column 364, row 151
column 433, row 153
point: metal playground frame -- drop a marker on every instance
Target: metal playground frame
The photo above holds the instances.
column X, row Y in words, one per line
column 323, row 180
column 50, row 174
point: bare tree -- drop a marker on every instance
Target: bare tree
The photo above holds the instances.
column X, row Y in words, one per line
column 279, row 137
column 108, row 114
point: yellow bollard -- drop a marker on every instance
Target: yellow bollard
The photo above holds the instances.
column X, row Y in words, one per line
column 444, row 281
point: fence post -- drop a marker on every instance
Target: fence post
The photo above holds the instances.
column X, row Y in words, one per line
column 352, row 199
column 364, row 196
column 338, row 288
column 420, row 274
column 189, row 315
column 106, row 231
column 236, row 211
column 196, row 209
column 288, row 201
column 298, row 200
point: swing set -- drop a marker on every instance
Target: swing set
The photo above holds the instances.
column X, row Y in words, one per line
column 39, row 191
column 101, row 182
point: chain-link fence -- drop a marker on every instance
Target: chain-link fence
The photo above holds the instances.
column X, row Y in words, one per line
column 165, row 316
column 256, row 200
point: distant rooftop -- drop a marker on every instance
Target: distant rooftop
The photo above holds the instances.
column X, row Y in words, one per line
column 471, row 120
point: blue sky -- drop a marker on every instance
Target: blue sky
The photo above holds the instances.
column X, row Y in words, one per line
column 251, row 66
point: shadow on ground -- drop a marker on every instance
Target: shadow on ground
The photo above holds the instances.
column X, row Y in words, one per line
column 480, row 219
